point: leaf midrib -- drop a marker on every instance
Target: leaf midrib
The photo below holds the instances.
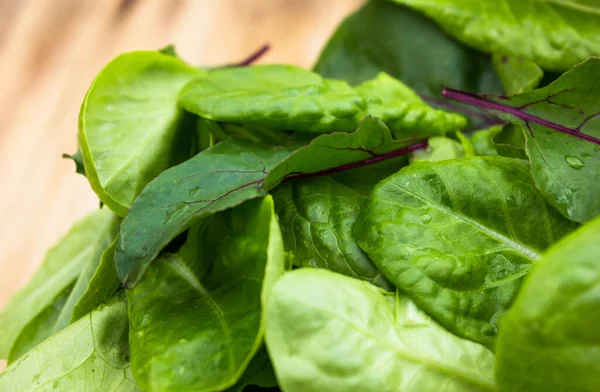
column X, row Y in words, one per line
column 530, row 253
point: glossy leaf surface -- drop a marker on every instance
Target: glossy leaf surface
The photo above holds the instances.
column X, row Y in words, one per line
column 553, row 34
column 458, row 236
column 130, row 126
column 550, row 339
column 199, row 311
column 335, row 333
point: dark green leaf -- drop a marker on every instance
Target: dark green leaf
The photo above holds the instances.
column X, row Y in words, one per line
column 316, row 217
column 78, row 159
column 562, row 127
column 385, row 37
column 510, row 141
column 550, row 340
column 130, row 128
column 101, row 286
column 89, row 355
column 458, row 236
column 553, row 34
column 196, row 317
column 60, row 268
column 229, row 173
column 327, row 332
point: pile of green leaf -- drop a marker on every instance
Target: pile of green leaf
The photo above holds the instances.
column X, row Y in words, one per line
column 419, row 213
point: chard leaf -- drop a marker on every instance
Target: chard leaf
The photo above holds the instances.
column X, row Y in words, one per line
column 550, row 340
column 40, row 327
column 89, row 355
column 562, row 130
column 199, row 311
column 517, row 75
column 285, row 97
column 458, row 236
column 336, row 333
column 316, row 218
column 229, row 173
column 130, row 128
column 59, row 270
column 554, row 34
column 386, row 37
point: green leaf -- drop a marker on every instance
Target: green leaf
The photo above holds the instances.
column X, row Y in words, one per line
column 510, row 141
column 259, row 373
column 285, row 97
column 335, row 333
column 517, row 75
column 562, row 127
column 403, row 110
column 229, row 173
column 102, row 285
column 316, row 217
column 89, row 355
column 550, row 339
column 458, row 236
column 40, row 327
column 196, row 317
column 483, row 141
column 554, row 34
column 60, row 268
column 97, row 248
column 130, row 128
column 438, row 149
column 383, row 36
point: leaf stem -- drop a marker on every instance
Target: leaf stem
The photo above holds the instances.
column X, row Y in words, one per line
column 480, row 101
column 252, row 58
column 365, row 162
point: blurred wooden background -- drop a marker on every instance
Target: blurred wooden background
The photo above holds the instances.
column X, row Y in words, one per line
column 50, row 50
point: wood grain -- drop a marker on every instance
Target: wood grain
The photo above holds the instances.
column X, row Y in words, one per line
column 50, row 50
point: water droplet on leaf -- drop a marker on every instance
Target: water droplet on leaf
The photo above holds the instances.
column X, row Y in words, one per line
column 575, row 163
column 425, row 218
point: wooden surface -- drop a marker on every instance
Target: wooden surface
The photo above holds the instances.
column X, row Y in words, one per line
column 50, row 50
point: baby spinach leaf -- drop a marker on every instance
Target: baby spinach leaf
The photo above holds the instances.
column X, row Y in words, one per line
column 337, row 333
column 550, row 340
column 316, row 218
column 89, row 355
column 100, row 286
column 458, row 236
column 517, row 75
column 259, row 373
column 285, row 97
column 229, row 173
column 554, row 34
column 404, row 112
column 438, row 149
column 483, row 141
column 386, row 37
column 101, row 244
column 562, row 128
column 59, row 270
column 40, row 327
column 199, row 311
column 130, row 127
